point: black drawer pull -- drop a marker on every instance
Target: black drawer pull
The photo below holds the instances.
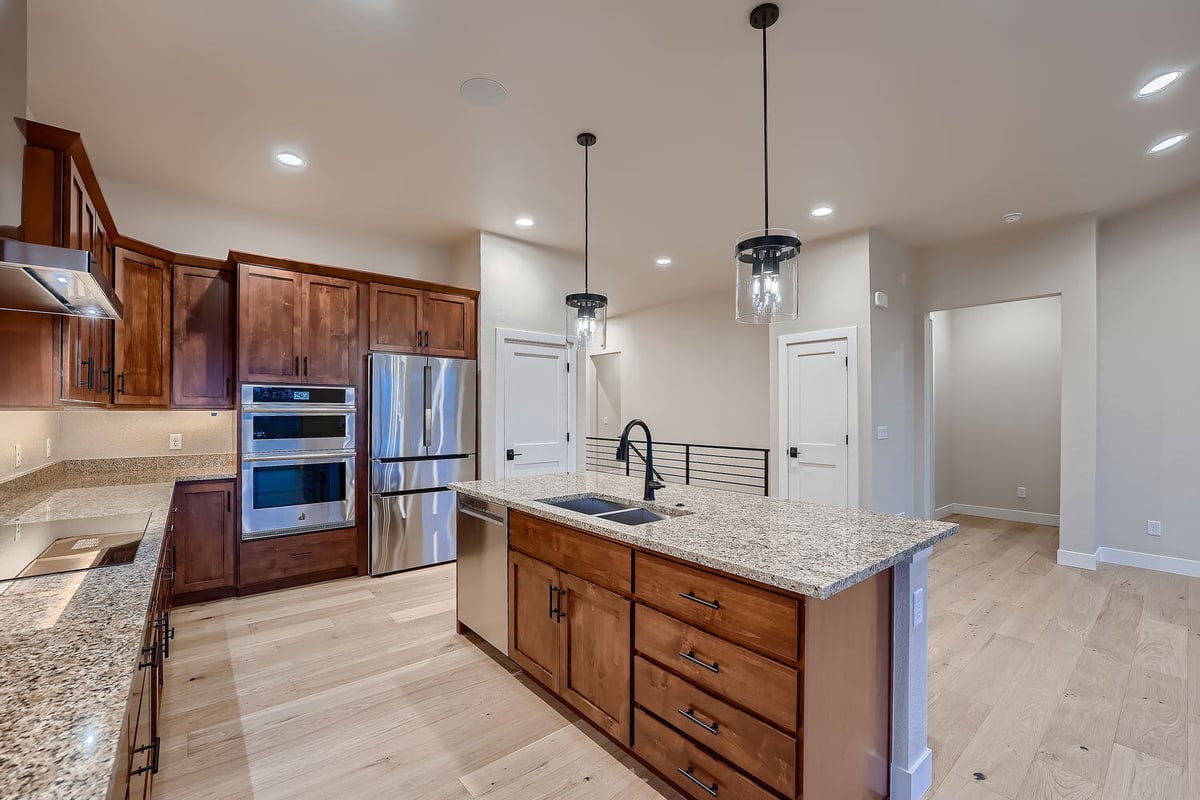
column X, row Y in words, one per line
column 715, row 605
column 689, row 774
column 153, row 662
column 152, row 764
column 690, row 713
column 307, row 554
column 690, row 655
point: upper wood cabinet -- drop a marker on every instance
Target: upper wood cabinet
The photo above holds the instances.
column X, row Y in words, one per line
column 297, row 327
column 202, row 337
column 405, row 320
column 142, row 337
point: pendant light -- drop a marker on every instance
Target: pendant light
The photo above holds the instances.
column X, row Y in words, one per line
column 587, row 311
column 767, row 260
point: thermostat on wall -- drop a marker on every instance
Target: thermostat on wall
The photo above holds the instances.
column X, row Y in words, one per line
column 881, row 299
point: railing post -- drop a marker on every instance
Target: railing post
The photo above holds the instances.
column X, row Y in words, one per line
column 687, row 465
column 766, row 473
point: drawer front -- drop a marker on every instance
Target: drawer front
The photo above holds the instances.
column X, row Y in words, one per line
column 746, row 741
column 264, row 560
column 743, row 613
column 694, row 773
column 592, row 558
column 766, row 687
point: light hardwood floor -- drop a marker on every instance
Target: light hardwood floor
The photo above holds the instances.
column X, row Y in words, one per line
column 1045, row 682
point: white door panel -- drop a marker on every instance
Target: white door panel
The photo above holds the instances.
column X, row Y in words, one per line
column 818, row 423
column 536, row 408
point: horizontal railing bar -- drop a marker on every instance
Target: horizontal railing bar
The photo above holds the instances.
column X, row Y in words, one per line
column 688, row 444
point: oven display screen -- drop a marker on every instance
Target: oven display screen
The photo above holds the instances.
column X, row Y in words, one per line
column 268, row 427
column 299, row 484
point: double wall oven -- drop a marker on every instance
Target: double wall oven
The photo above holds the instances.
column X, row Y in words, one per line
column 297, row 459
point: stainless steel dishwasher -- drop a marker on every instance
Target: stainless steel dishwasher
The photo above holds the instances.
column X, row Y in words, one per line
column 483, row 569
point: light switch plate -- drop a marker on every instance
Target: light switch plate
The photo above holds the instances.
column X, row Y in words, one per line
column 47, row 448
column 176, row 441
column 1153, row 527
column 918, row 606
column 881, row 432
column 1020, row 491
column 18, row 456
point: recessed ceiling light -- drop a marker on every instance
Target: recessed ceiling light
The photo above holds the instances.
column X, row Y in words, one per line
column 1158, row 84
column 821, row 211
column 1013, row 217
column 1167, row 143
column 524, row 222
column 663, row 262
column 483, row 92
column 289, row 159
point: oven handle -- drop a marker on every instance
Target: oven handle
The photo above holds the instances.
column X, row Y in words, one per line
column 316, row 455
column 300, row 410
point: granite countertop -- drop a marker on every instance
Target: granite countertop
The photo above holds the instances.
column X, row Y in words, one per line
column 801, row 547
column 69, row 642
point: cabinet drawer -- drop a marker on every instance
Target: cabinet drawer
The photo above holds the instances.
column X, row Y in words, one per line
column 694, row 773
column 752, row 681
column 738, row 611
column 745, row 740
column 285, row 556
column 597, row 560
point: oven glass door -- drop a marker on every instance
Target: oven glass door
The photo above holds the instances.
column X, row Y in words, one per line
column 295, row 431
column 297, row 493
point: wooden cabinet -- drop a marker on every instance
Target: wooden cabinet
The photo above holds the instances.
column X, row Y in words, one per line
column 286, row 560
column 295, row 327
column 29, row 360
column 574, row 638
column 201, row 337
column 407, row 320
column 206, row 539
column 142, row 337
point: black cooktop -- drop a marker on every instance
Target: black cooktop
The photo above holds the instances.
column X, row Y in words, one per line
column 29, row 549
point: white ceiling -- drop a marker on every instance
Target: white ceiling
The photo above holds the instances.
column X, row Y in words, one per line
column 928, row 118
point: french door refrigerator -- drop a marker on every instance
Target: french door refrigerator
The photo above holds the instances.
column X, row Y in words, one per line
column 422, row 438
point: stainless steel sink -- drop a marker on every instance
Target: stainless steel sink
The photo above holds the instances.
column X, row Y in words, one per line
column 603, row 508
column 633, row 516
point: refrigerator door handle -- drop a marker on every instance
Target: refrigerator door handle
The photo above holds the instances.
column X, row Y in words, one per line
column 428, row 405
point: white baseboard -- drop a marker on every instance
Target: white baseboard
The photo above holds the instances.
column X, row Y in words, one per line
column 1073, row 558
column 1009, row 514
column 1132, row 558
column 913, row 781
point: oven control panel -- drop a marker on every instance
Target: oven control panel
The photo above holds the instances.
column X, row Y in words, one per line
column 253, row 394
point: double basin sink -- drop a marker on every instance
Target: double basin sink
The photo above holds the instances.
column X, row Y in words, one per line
column 603, row 508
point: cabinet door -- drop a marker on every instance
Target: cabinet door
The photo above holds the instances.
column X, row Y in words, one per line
column 205, row 536
column 533, row 632
column 396, row 325
column 449, row 322
column 202, row 338
column 28, row 352
column 330, row 321
column 594, row 654
column 269, row 313
column 87, row 343
column 142, row 338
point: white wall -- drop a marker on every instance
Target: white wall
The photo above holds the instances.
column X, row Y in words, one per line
column 895, row 340
column 522, row 287
column 835, row 286
column 186, row 224
column 1149, row 279
column 464, row 263
column 998, row 383
column 1057, row 258
column 30, row 429
column 693, row 373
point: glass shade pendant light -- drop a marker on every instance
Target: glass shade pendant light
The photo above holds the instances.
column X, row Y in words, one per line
column 767, row 260
column 587, row 311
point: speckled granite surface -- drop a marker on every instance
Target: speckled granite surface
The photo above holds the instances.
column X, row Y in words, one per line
column 809, row 549
column 69, row 643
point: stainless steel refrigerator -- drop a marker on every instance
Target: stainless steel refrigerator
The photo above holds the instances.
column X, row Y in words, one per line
column 422, row 438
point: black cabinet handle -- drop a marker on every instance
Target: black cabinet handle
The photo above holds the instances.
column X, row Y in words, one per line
column 168, row 576
column 550, row 602
column 558, row 612
column 306, row 366
column 690, row 655
column 87, row 362
column 296, row 371
column 121, row 383
column 152, row 662
column 715, row 605
column 301, row 555
column 228, row 500
column 690, row 713
column 427, row 338
column 228, row 388
column 106, row 384
column 152, row 764
column 689, row 773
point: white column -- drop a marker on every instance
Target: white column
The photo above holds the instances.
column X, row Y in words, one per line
column 912, row 760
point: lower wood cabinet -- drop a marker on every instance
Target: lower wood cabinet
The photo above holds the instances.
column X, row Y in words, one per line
column 206, row 539
column 289, row 560
column 574, row 638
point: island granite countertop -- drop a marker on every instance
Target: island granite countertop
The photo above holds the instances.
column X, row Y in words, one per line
column 69, row 642
column 805, row 548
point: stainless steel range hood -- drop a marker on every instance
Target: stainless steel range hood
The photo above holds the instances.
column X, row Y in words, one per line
column 54, row 280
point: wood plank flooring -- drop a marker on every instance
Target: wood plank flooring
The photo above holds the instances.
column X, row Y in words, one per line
column 1045, row 682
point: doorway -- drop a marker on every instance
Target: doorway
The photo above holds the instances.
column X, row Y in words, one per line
column 818, row 418
column 996, row 399
column 535, row 409
column 606, row 408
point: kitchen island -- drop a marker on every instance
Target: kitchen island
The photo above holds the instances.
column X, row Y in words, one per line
column 739, row 646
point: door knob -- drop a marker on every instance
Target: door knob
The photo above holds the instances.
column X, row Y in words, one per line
column 511, row 455
column 794, row 452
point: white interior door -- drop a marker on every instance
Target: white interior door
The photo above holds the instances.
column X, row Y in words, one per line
column 818, row 423
column 536, row 419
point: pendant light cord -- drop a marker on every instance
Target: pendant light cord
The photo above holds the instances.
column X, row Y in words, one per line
column 586, row 224
column 766, row 171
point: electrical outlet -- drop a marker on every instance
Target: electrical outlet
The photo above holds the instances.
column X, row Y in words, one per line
column 918, row 606
column 1021, row 491
column 881, row 432
column 1153, row 527
column 176, row 442
column 18, row 456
